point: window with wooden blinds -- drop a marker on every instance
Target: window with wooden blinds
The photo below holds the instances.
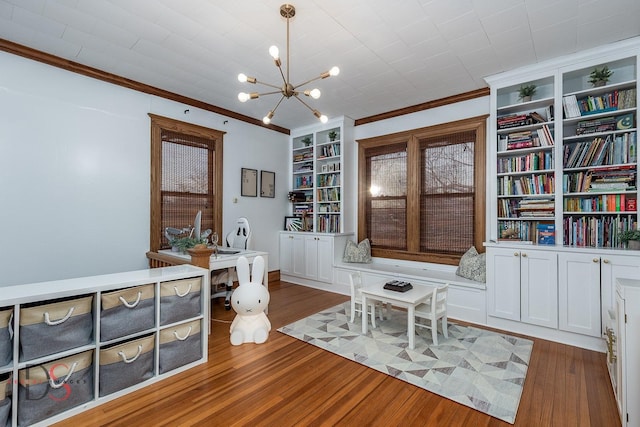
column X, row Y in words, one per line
column 421, row 192
column 186, row 177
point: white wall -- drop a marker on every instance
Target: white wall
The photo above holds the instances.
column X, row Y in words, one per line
column 75, row 167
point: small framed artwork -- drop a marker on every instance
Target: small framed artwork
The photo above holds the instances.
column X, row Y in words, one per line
column 292, row 223
column 267, row 184
column 249, row 183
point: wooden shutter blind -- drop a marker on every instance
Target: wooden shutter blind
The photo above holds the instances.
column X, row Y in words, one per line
column 187, row 181
column 387, row 196
column 447, row 194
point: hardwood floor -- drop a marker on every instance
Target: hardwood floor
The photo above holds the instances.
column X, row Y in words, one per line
column 285, row 382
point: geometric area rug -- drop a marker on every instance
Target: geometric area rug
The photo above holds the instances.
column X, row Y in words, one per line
column 481, row 369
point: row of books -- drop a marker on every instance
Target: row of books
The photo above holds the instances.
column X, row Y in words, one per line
column 329, row 207
column 525, row 232
column 524, row 185
column 519, row 119
column 329, row 194
column 304, row 167
column 602, row 203
column 581, row 182
column 614, row 149
column 328, row 223
column 303, row 181
column 596, row 232
column 528, row 208
column 541, row 137
column 529, row 162
column 592, row 104
column 330, row 150
column 329, row 180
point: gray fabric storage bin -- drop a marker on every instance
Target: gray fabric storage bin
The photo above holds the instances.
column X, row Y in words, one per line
column 127, row 311
column 54, row 387
column 180, row 300
column 180, row 345
column 5, row 400
column 126, row 364
column 54, row 327
column 6, row 337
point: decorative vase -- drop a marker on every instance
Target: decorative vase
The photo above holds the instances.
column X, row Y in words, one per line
column 526, row 98
column 633, row 244
column 599, row 83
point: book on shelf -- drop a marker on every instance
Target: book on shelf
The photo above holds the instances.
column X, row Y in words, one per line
column 570, row 106
column 546, row 234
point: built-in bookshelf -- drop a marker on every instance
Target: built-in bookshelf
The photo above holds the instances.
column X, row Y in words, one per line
column 565, row 162
column 318, row 187
column 525, row 161
column 599, row 155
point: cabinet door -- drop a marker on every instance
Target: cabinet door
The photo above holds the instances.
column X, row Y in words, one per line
column 503, row 282
column 579, row 293
column 286, row 253
column 539, row 288
column 621, row 357
column 325, row 259
column 613, row 267
column 311, row 257
column 298, row 255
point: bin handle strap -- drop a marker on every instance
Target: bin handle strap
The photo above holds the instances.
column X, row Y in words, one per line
column 133, row 304
column 52, row 382
column 184, row 294
column 133, row 359
column 50, row 322
column 179, row 338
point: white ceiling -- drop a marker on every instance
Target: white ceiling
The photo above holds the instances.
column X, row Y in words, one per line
column 392, row 54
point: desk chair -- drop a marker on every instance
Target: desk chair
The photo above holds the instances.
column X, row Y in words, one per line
column 355, row 280
column 222, row 280
column 432, row 310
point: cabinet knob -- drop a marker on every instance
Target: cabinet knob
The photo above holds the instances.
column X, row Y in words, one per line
column 524, row 255
column 606, row 261
column 595, row 260
column 516, row 254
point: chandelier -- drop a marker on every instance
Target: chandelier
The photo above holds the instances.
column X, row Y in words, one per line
column 287, row 90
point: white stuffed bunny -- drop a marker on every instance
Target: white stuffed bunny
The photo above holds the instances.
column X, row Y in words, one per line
column 249, row 300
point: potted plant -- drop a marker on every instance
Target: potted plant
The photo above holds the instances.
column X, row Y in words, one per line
column 631, row 238
column 526, row 92
column 306, row 141
column 181, row 244
column 600, row 76
column 333, row 135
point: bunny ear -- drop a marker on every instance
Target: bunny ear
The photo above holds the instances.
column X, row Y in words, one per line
column 257, row 271
column 242, row 269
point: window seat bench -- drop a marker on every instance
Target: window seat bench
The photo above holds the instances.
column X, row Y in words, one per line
column 466, row 300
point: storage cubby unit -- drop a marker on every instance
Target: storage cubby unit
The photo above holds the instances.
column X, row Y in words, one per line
column 599, row 155
column 318, row 184
column 525, row 168
column 79, row 342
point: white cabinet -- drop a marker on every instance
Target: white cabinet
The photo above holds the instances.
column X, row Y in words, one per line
column 579, row 293
column 612, row 267
column 157, row 318
column 627, row 381
column 522, row 285
column 308, row 258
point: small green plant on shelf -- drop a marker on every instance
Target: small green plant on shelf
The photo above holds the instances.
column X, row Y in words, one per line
column 600, row 76
column 526, row 92
column 333, row 135
column 306, row 141
column 630, row 236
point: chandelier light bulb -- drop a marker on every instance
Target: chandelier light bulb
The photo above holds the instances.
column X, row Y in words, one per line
column 324, row 119
column 242, row 78
column 243, row 97
column 274, row 52
column 314, row 93
column 334, row 71
column 267, row 119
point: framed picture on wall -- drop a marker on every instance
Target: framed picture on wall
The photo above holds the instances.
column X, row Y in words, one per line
column 267, row 184
column 249, row 183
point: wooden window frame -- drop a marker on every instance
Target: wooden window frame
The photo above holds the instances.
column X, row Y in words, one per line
column 158, row 124
column 412, row 139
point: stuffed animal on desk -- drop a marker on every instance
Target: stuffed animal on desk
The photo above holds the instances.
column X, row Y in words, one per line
column 249, row 300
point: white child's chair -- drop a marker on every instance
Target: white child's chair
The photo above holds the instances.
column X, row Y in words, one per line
column 432, row 310
column 222, row 280
column 356, row 301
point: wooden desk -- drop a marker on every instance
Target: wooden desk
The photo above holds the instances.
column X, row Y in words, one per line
column 408, row 300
